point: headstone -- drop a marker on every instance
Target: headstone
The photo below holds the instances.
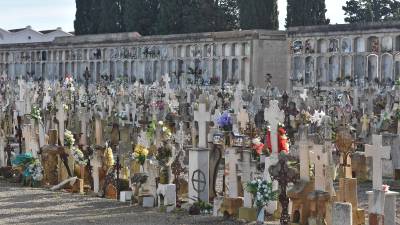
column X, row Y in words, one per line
column 320, row 160
column 61, row 118
column 199, row 175
column 342, row 214
column 304, row 155
column 232, row 178
column 377, row 152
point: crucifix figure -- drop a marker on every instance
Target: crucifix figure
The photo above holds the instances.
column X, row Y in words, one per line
column 377, row 152
column 202, row 116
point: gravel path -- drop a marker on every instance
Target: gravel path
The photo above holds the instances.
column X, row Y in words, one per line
column 23, row 206
column 38, row 206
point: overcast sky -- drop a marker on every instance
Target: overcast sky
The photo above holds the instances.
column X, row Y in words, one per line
column 50, row 14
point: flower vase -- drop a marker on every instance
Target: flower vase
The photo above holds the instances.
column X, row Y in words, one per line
column 260, row 215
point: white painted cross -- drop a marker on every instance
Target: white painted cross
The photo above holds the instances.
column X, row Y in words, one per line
column 304, row 155
column 61, row 118
column 377, row 152
column 202, row 116
column 320, row 160
column 274, row 116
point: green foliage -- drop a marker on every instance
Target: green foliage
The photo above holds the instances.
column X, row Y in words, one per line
column 358, row 11
column 203, row 206
column 262, row 192
column 258, row 14
column 306, row 13
column 141, row 16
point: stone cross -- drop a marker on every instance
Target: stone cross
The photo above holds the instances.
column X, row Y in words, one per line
column 3, row 162
column 243, row 118
column 230, row 164
column 247, row 167
column 21, row 84
column 84, row 118
column 202, row 116
column 320, row 160
column 304, row 155
column 274, row 116
column 377, row 152
column 61, row 118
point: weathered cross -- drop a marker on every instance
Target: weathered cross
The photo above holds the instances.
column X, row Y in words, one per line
column 274, row 116
column 304, row 154
column 377, row 152
column 320, row 160
column 61, row 118
column 202, row 116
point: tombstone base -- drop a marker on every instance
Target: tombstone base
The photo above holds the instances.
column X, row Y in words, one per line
column 111, row 192
column 318, row 204
column 376, row 219
column 348, row 193
column 389, row 207
column 125, row 196
column 231, row 206
column 248, row 214
column 301, row 206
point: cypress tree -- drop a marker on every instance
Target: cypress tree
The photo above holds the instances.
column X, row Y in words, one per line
column 258, row 14
column 306, row 13
column 141, row 16
column 371, row 10
column 110, row 18
column 83, row 23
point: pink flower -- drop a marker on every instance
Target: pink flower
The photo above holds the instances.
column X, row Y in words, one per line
column 385, row 188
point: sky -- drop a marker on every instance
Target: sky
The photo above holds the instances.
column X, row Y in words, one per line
column 50, row 14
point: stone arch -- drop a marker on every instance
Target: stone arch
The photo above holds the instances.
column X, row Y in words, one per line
column 322, row 70
column 322, row 46
column 206, row 50
column 387, row 44
column 245, row 74
column 297, row 47
column 235, row 69
column 187, row 51
column 334, row 72
column 225, row 68
column 398, row 43
column 397, row 66
column 298, row 69
column 359, row 45
column 373, row 71
column 373, row 44
column 346, row 45
column 233, row 49
column 333, row 45
column 309, row 70
column 309, row 46
column 347, row 63
column 359, row 69
column 387, row 68
column 125, row 72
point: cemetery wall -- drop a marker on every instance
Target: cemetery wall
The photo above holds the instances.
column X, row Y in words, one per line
column 230, row 56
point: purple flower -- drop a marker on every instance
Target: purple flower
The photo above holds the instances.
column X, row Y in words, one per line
column 224, row 120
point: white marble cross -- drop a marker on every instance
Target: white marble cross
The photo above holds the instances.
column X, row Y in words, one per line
column 320, row 160
column 61, row 118
column 202, row 116
column 304, row 155
column 377, row 152
column 274, row 116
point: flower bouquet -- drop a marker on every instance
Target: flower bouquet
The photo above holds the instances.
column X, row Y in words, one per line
column 69, row 139
column 225, row 121
column 35, row 113
column 140, row 153
column 263, row 194
column 78, row 156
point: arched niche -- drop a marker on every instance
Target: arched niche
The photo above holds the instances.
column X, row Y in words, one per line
column 347, row 63
column 359, row 69
column 373, row 44
column 387, row 68
column 309, row 70
column 322, row 46
column 397, row 66
column 298, row 68
column 297, row 47
column 334, row 72
column 225, row 68
column 322, row 70
column 235, row 70
column 398, row 43
column 245, row 73
column 309, row 46
column 372, row 67
column 333, row 45
column 387, row 44
column 359, row 45
column 346, row 45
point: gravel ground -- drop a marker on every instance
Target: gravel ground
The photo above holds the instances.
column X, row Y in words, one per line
column 20, row 205
column 38, row 206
